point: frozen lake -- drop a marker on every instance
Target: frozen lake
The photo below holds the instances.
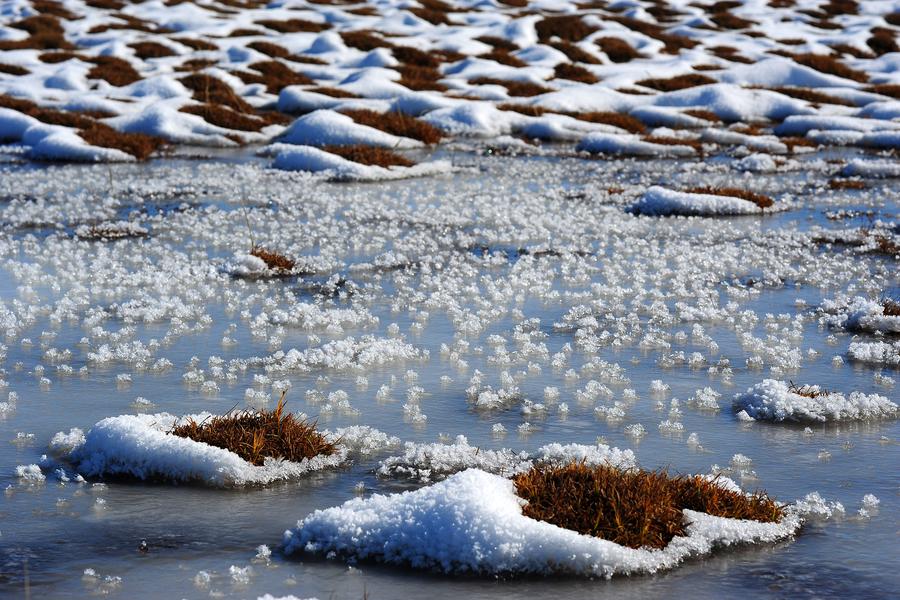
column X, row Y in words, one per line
column 490, row 269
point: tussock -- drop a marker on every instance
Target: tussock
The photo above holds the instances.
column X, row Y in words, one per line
column 222, row 116
column 370, row 156
column 256, row 436
column 569, row 27
column 521, row 89
column 574, row 73
column 114, row 70
column 830, row 65
column 145, row 50
column 397, row 124
column 679, row 82
column 621, row 120
column 293, row 26
column 139, row 145
column 211, row 90
column 635, row 508
column 761, row 200
column 275, row 261
column 618, row 50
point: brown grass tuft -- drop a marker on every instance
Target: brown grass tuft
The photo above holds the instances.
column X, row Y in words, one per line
column 807, row 391
column 523, row 109
column 397, row 123
column 521, row 89
column 883, row 41
column 706, row 115
column 673, row 43
column 420, row 78
column 256, row 436
column 574, row 73
column 617, row 49
column 211, row 90
column 222, row 116
column 45, row 32
column 830, row 65
column 369, row 155
column 413, row 56
column 114, row 70
column 621, row 120
column 269, row 49
column 139, row 145
column 145, row 50
column 635, row 508
column 679, row 82
column 575, row 53
column 761, row 200
column 570, row 28
column 503, row 57
column 890, row 307
column 499, row 42
column 293, row 26
column 811, row 95
column 333, row 92
column 727, row 20
column 276, row 262
column 274, row 75
column 195, row 44
column 57, row 57
column 847, row 184
column 364, row 40
column 13, row 69
column 885, row 89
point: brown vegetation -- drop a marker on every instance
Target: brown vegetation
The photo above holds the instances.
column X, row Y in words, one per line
column 522, row 89
column 420, row 78
column 847, row 184
column 256, row 436
column 46, row 115
column 503, row 57
column 145, row 50
column 397, row 123
column 570, row 28
column 890, row 307
column 293, row 25
column 673, row 43
column 114, row 70
column 679, row 82
column 575, row 53
column 811, row 95
column 222, row 116
column 274, row 261
column 620, row 120
column 364, row 40
column 139, row 145
column 498, row 42
column 885, row 89
column 706, row 115
column 635, row 508
column 369, row 155
column 807, row 391
column 45, row 32
column 883, row 41
column 333, row 92
column 195, row 44
column 617, row 49
column 211, row 90
column 830, row 65
column 274, row 75
column 574, row 73
column 13, row 69
column 761, row 200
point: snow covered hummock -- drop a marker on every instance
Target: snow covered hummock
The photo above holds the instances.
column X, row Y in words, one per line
column 861, row 314
column 774, row 400
column 140, row 446
column 659, row 201
column 472, row 522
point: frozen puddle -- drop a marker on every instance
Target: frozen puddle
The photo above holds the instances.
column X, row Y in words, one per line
column 473, row 522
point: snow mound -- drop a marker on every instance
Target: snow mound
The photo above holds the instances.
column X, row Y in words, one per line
column 434, row 462
column 883, row 353
column 473, row 523
column 328, row 128
column 859, row 314
column 306, row 158
column 773, row 400
column 139, row 446
column 659, row 201
column 630, row 145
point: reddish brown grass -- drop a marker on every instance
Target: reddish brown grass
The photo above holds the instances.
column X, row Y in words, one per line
column 57, row 57
column 621, row 120
column 830, row 65
column 811, row 95
column 575, row 53
column 13, row 69
column 885, row 89
column 114, row 70
column 49, row 7
column 883, row 41
column 761, row 200
column 521, row 89
column 847, row 184
column 275, row 261
column 397, row 124
column 275, row 75
column 46, row 115
column 574, row 73
column 570, row 28
column 673, row 43
column 727, row 20
column 807, row 391
column 195, row 44
column 504, row 58
column 419, row 78
column 364, row 40
column 211, row 90
column 293, row 25
column 498, row 42
column 45, row 32
column 368, row 155
column 679, row 82
column 333, row 92
column 706, row 115
column 145, row 50
column 224, row 117
column 617, row 50
column 890, row 307
column 413, row 56
column 256, row 436
column 139, row 145
column 635, row 508
column 269, row 49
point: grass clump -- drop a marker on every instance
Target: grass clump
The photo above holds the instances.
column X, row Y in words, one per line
column 807, row 391
column 679, row 82
column 620, row 120
column 222, row 116
column 761, row 200
column 114, row 70
column 397, row 123
column 370, row 156
column 518, row 89
column 617, row 49
column 570, row 28
column 890, row 307
column 634, row 508
column 273, row 260
column 574, row 73
column 139, row 145
column 830, row 65
column 256, row 436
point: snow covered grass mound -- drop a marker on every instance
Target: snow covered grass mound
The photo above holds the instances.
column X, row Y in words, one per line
column 774, row 400
column 434, row 462
column 474, row 522
column 882, row 353
column 659, row 201
column 862, row 314
column 145, row 447
column 352, row 163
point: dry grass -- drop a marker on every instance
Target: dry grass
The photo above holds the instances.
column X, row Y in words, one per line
column 293, row 26
column 420, row 78
column 195, row 44
column 706, row 115
column 413, row 56
column 847, row 184
column 673, row 43
column 45, row 32
column 621, row 120
column 222, row 116
column 617, row 49
column 830, row 65
column 885, row 245
column 890, row 307
column 57, row 57
column 256, row 436
column 575, row 53
column 523, row 109
column 145, row 50
column 885, row 89
column 46, row 115
column 364, row 40
column 727, row 20
column 114, row 70
column 275, row 261
column 139, row 145
column 679, row 82
column 13, row 69
column 883, row 41
column 274, row 75
column 570, row 28
column 674, row 141
column 333, row 92
column 503, row 57
column 397, row 123
column 635, row 508
column 811, row 95
column 519, row 89
column 498, row 42
column 761, row 200
column 269, row 49
column 211, row 90
column 371, row 156
column 807, row 391
column 574, row 73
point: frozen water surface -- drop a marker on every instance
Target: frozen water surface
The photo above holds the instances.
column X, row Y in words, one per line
column 515, row 301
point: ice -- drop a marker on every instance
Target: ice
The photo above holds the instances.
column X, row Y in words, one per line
column 472, row 522
column 773, row 400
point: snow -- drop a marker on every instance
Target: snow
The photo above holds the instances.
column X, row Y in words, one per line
column 632, row 145
column 859, row 314
column 326, row 127
column 885, row 353
column 307, row 158
column 433, row 462
column 139, row 446
column 659, row 201
column 773, row 400
column 472, row 522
